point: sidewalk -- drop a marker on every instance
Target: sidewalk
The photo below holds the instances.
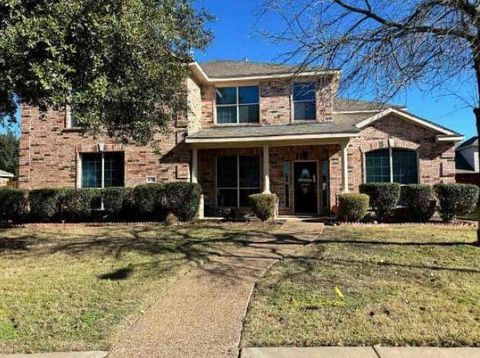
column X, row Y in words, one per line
column 360, row 352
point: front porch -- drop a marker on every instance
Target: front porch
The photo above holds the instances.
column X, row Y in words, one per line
column 306, row 177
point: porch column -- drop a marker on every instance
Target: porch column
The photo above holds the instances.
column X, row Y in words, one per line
column 266, row 169
column 194, row 177
column 345, row 167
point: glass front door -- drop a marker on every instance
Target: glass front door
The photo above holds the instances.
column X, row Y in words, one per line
column 305, row 187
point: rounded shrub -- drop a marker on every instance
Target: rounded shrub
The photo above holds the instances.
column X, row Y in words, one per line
column 182, row 199
column 44, row 204
column 418, row 202
column 456, row 199
column 263, row 205
column 148, row 201
column 352, row 207
column 13, row 204
column 384, row 197
column 117, row 202
column 76, row 204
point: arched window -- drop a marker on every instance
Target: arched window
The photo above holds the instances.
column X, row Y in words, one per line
column 391, row 165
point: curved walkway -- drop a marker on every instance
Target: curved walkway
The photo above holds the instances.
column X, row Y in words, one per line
column 202, row 314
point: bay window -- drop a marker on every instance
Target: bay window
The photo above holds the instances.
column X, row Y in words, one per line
column 304, row 103
column 391, row 165
column 237, row 105
column 237, row 178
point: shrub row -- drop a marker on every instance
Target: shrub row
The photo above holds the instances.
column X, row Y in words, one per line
column 144, row 202
column 412, row 203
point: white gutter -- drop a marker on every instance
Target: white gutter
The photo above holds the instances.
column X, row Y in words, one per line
column 271, row 138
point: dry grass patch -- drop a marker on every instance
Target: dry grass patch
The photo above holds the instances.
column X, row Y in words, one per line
column 393, row 285
column 74, row 287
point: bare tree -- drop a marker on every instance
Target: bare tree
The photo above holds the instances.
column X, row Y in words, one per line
column 385, row 45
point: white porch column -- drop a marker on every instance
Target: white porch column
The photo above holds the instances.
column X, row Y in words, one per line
column 345, row 167
column 194, row 175
column 266, row 169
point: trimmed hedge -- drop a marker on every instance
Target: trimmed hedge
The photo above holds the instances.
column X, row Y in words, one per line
column 353, row 207
column 117, row 203
column 147, row 201
column 456, row 199
column 384, row 197
column 182, row 199
column 44, row 204
column 263, row 205
column 13, row 204
column 76, row 204
column 418, row 202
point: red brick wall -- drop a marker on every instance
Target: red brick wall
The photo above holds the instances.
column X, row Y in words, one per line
column 48, row 156
column 436, row 159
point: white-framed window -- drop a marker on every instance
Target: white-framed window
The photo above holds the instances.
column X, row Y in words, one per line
column 70, row 120
column 304, row 101
column 393, row 165
column 102, row 170
column 237, row 105
column 238, row 177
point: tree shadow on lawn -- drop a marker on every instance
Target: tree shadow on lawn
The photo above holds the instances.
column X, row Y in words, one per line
column 170, row 248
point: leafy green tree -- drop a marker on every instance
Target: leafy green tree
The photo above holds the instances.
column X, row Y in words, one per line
column 9, row 148
column 119, row 64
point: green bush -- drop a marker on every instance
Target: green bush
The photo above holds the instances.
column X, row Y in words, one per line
column 44, row 204
column 76, row 204
column 182, row 199
column 117, row 203
column 352, row 207
column 13, row 204
column 418, row 202
column 263, row 205
column 148, row 202
column 456, row 199
column 384, row 197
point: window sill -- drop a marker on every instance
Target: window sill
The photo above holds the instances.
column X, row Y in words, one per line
column 238, row 125
column 73, row 129
column 301, row 121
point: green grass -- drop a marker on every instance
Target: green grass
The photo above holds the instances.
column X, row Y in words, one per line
column 472, row 216
column 392, row 285
column 77, row 287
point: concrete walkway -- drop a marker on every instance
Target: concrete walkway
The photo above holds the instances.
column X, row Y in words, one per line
column 361, row 352
column 202, row 314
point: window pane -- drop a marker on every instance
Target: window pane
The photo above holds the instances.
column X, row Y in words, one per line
column 91, row 170
column 377, row 165
column 249, row 172
column 114, row 169
column 227, row 114
column 226, row 95
column 244, row 193
column 304, row 111
column 248, row 94
column 405, row 166
column 227, row 172
column 227, row 198
column 249, row 113
column 304, row 92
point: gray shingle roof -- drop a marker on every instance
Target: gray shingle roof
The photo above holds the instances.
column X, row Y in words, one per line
column 346, row 104
column 233, row 69
column 461, row 164
column 4, row 174
column 468, row 143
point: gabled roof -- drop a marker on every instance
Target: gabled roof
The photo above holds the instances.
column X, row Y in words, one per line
column 348, row 105
column 472, row 142
column 4, row 174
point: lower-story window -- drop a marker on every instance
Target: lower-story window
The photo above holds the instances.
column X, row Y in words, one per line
column 103, row 170
column 237, row 178
column 391, row 165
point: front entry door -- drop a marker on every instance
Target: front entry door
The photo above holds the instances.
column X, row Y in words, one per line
column 305, row 184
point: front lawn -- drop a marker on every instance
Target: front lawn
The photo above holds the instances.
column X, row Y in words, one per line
column 391, row 285
column 75, row 287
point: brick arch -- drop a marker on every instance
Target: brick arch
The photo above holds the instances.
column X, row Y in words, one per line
column 387, row 143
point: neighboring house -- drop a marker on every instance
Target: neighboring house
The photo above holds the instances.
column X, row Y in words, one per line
column 467, row 162
column 252, row 128
column 5, row 178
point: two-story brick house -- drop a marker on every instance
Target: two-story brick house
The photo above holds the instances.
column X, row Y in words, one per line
column 251, row 128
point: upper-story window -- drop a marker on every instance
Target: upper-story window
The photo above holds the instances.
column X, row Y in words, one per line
column 238, row 105
column 304, row 108
column 70, row 119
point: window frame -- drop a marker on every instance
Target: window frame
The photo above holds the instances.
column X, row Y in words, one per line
column 237, row 105
column 303, row 101
column 102, row 169
column 390, row 157
column 237, row 188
